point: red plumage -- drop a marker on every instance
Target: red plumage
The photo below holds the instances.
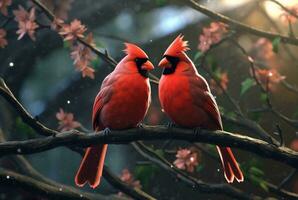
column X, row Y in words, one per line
column 121, row 103
column 186, row 98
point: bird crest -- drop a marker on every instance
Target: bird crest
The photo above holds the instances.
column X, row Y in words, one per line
column 177, row 47
column 134, row 50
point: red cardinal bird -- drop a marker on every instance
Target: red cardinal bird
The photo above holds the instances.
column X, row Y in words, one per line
column 186, row 98
column 121, row 103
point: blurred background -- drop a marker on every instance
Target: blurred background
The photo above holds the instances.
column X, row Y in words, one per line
column 42, row 76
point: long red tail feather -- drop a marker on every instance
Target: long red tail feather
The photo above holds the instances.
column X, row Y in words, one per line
column 230, row 165
column 91, row 166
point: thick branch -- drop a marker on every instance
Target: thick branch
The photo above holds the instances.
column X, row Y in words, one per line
column 222, row 138
column 10, row 178
column 238, row 26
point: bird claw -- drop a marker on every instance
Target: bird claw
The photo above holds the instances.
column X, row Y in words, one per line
column 197, row 131
column 171, row 125
column 140, row 125
column 106, row 131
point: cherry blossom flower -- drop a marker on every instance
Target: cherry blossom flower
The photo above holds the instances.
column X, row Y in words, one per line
column 88, row 72
column 73, row 31
column 286, row 17
column 269, row 76
column 81, row 53
column 66, row 121
column 3, row 41
column 127, row 177
column 211, row 35
column 223, row 79
column 186, row 160
column 3, row 6
column 82, row 56
column 26, row 22
column 263, row 49
column 294, row 145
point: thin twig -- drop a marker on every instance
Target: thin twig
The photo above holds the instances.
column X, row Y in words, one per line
column 103, row 55
column 196, row 184
column 272, row 188
column 287, row 179
column 238, row 26
column 284, row 8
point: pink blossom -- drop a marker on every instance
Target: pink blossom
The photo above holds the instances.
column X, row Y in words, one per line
column 269, row 76
column 3, row 6
column 211, row 35
column 186, row 160
column 82, row 56
column 73, row 31
column 127, row 177
column 223, row 80
column 26, row 22
column 263, row 49
column 287, row 17
column 88, row 72
column 66, row 121
column 3, row 41
column 294, row 145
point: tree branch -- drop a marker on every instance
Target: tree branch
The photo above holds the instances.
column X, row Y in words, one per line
column 238, row 26
column 43, row 130
column 271, row 187
column 10, row 178
column 223, row 138
column 103, row 55
column 117, row 183
column 26, row 117
column 284, row 8
column 199, row 185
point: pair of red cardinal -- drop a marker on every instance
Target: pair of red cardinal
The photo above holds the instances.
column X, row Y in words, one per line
column 124, row 99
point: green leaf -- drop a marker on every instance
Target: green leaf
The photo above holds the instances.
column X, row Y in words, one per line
column 275, row 44
column 95, row 63
column 198, row 55
column 256, row 171
column 264, row 186
column 231, row 115
column 295, row 114
column 199, row 167
column 212, row 62
column 23, row 128
column 160, row 2
column 246, row 85
column 263, row 97
column 144, row 173
column 159, row 152
column 256, row 116
column 66, row 44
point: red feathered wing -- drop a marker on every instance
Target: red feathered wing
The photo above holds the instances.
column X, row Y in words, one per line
column 91, row 167
column 203, row 99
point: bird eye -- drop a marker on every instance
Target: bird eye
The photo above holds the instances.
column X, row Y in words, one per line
column 140, row 61
column 172, row 59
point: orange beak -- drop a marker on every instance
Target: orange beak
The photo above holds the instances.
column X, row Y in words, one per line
column 164, row 63
column 148, row 66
